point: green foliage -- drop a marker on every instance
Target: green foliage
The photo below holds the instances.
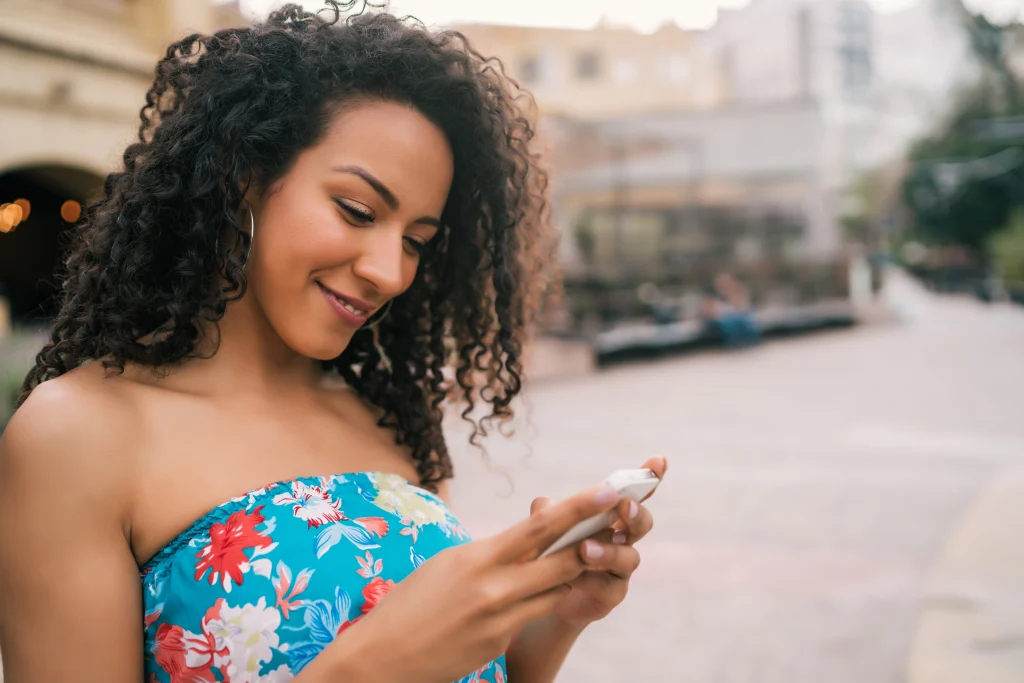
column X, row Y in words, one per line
column 1007, row 249
column 10, row 386
column 964, row 182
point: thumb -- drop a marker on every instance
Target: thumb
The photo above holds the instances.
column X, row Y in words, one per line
column 539, row 504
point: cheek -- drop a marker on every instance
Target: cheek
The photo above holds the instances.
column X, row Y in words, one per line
column 409, row 269
column 295, row 245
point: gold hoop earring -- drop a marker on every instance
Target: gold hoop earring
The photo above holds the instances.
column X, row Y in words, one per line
column 385, row 363
column 373, row 323
column 252, row 235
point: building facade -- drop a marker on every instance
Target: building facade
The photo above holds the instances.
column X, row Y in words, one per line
column 607, row 71
column 73, row 77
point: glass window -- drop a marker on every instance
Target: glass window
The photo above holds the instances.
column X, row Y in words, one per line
column 529, row 69
column 676, row 67
column 588, row 65
column 624, row 71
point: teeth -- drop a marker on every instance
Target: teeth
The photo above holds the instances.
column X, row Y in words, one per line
column 352, row 309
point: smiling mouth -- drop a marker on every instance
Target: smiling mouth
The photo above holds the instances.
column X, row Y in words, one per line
column 354, row 311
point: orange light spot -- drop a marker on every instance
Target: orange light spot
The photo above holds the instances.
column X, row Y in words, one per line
column 70, row 211
column 12, row 215
column 26, row 208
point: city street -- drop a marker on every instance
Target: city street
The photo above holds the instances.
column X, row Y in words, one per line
column 832, row 508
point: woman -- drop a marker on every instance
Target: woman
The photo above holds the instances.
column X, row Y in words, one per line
column 319, row 218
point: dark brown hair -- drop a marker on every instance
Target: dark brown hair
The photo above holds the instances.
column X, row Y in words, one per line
column 234, row 109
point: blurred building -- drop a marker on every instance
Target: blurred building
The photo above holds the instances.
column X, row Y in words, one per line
column 606, row 71
column 73, row 76
column 737, row 184
column 880, row 79
column 813, row 94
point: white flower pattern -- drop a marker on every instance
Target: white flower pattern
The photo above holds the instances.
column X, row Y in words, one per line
column 286, row 598
column 312, row 504
column 249, row 634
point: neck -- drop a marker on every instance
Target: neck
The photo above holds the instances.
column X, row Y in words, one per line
column 250, row 358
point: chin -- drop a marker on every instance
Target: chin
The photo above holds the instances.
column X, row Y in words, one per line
column 321, row 348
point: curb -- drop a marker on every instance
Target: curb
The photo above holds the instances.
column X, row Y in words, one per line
column 971, row 625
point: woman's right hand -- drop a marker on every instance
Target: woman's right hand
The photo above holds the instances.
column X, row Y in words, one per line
column 461, row 608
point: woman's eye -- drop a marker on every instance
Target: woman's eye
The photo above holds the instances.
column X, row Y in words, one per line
column 355, row 212
column 416, row 245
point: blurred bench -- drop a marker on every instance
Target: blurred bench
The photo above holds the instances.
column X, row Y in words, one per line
column 648, row 340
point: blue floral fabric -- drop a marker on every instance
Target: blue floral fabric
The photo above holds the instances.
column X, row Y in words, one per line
column 260, row 585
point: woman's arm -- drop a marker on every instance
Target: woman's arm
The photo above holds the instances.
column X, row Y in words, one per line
column 538, row 652
column 70, row 593
column 70, row 597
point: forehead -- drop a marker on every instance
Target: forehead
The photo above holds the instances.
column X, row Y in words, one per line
column 395, row 143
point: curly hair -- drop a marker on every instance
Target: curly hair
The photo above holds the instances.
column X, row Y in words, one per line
column 229, row 111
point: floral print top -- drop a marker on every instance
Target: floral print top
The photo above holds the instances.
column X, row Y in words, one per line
column 259, row 586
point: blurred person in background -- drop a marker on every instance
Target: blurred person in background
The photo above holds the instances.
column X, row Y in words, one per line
column 726, row 309
column 320, row 216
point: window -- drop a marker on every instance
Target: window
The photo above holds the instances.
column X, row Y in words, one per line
column 529, row 70
column 588, row 65
column 624, row 71
column 676, row 68
column 633, row 237
column 856, row 68
column 855, row 47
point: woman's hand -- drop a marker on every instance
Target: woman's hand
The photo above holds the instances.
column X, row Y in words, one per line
column 610, row 560
column 461, row 608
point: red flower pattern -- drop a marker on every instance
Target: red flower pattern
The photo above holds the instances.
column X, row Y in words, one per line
column 173, row 648
column 225, row 553
column 185, row 656
column 374, row 591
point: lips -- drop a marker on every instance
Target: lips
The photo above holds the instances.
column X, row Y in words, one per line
column 351, row 310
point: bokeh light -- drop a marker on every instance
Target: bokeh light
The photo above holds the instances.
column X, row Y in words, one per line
column 10, row 216
column 70, row 211
column 26, row 208
column 13, row 214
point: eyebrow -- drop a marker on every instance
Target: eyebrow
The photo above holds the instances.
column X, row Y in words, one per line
column 387, row 195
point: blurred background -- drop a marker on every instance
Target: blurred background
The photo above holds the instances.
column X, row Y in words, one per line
column 793, row 249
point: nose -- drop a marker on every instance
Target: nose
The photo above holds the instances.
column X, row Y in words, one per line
column 380, row 261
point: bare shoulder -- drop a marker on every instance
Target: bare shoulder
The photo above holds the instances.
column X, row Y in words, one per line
column 65, row 491
column 74, row 429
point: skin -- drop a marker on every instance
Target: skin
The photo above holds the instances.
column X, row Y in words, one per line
column 97, row 473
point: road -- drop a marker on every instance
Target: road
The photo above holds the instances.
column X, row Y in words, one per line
column 815, row 490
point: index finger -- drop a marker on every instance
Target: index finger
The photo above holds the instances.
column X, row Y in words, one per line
column 530, row 537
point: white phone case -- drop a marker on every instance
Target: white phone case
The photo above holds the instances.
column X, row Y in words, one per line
column 632, row 484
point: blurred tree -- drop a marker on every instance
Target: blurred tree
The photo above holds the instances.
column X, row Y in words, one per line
column 1008, row 250
column 966, row 179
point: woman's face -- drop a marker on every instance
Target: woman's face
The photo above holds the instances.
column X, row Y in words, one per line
column 341, row 234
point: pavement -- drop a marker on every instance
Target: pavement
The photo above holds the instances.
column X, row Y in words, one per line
column 846, row 507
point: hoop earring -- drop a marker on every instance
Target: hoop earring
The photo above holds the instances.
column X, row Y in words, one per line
column 385, row 362
column 373, row 323
column 252, row 235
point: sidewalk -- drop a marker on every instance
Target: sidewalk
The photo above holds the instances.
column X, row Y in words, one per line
column 971, row 625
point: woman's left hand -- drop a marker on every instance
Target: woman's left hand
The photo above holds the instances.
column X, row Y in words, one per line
column 612, row 559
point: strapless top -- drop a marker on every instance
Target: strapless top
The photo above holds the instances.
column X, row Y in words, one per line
column 259, row 586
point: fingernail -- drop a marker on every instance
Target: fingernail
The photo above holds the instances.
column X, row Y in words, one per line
column 605, row 495
column 592, row 549
column 633, row 509
column 619, row 538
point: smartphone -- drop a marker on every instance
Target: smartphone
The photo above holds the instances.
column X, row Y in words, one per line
column 632, row 484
